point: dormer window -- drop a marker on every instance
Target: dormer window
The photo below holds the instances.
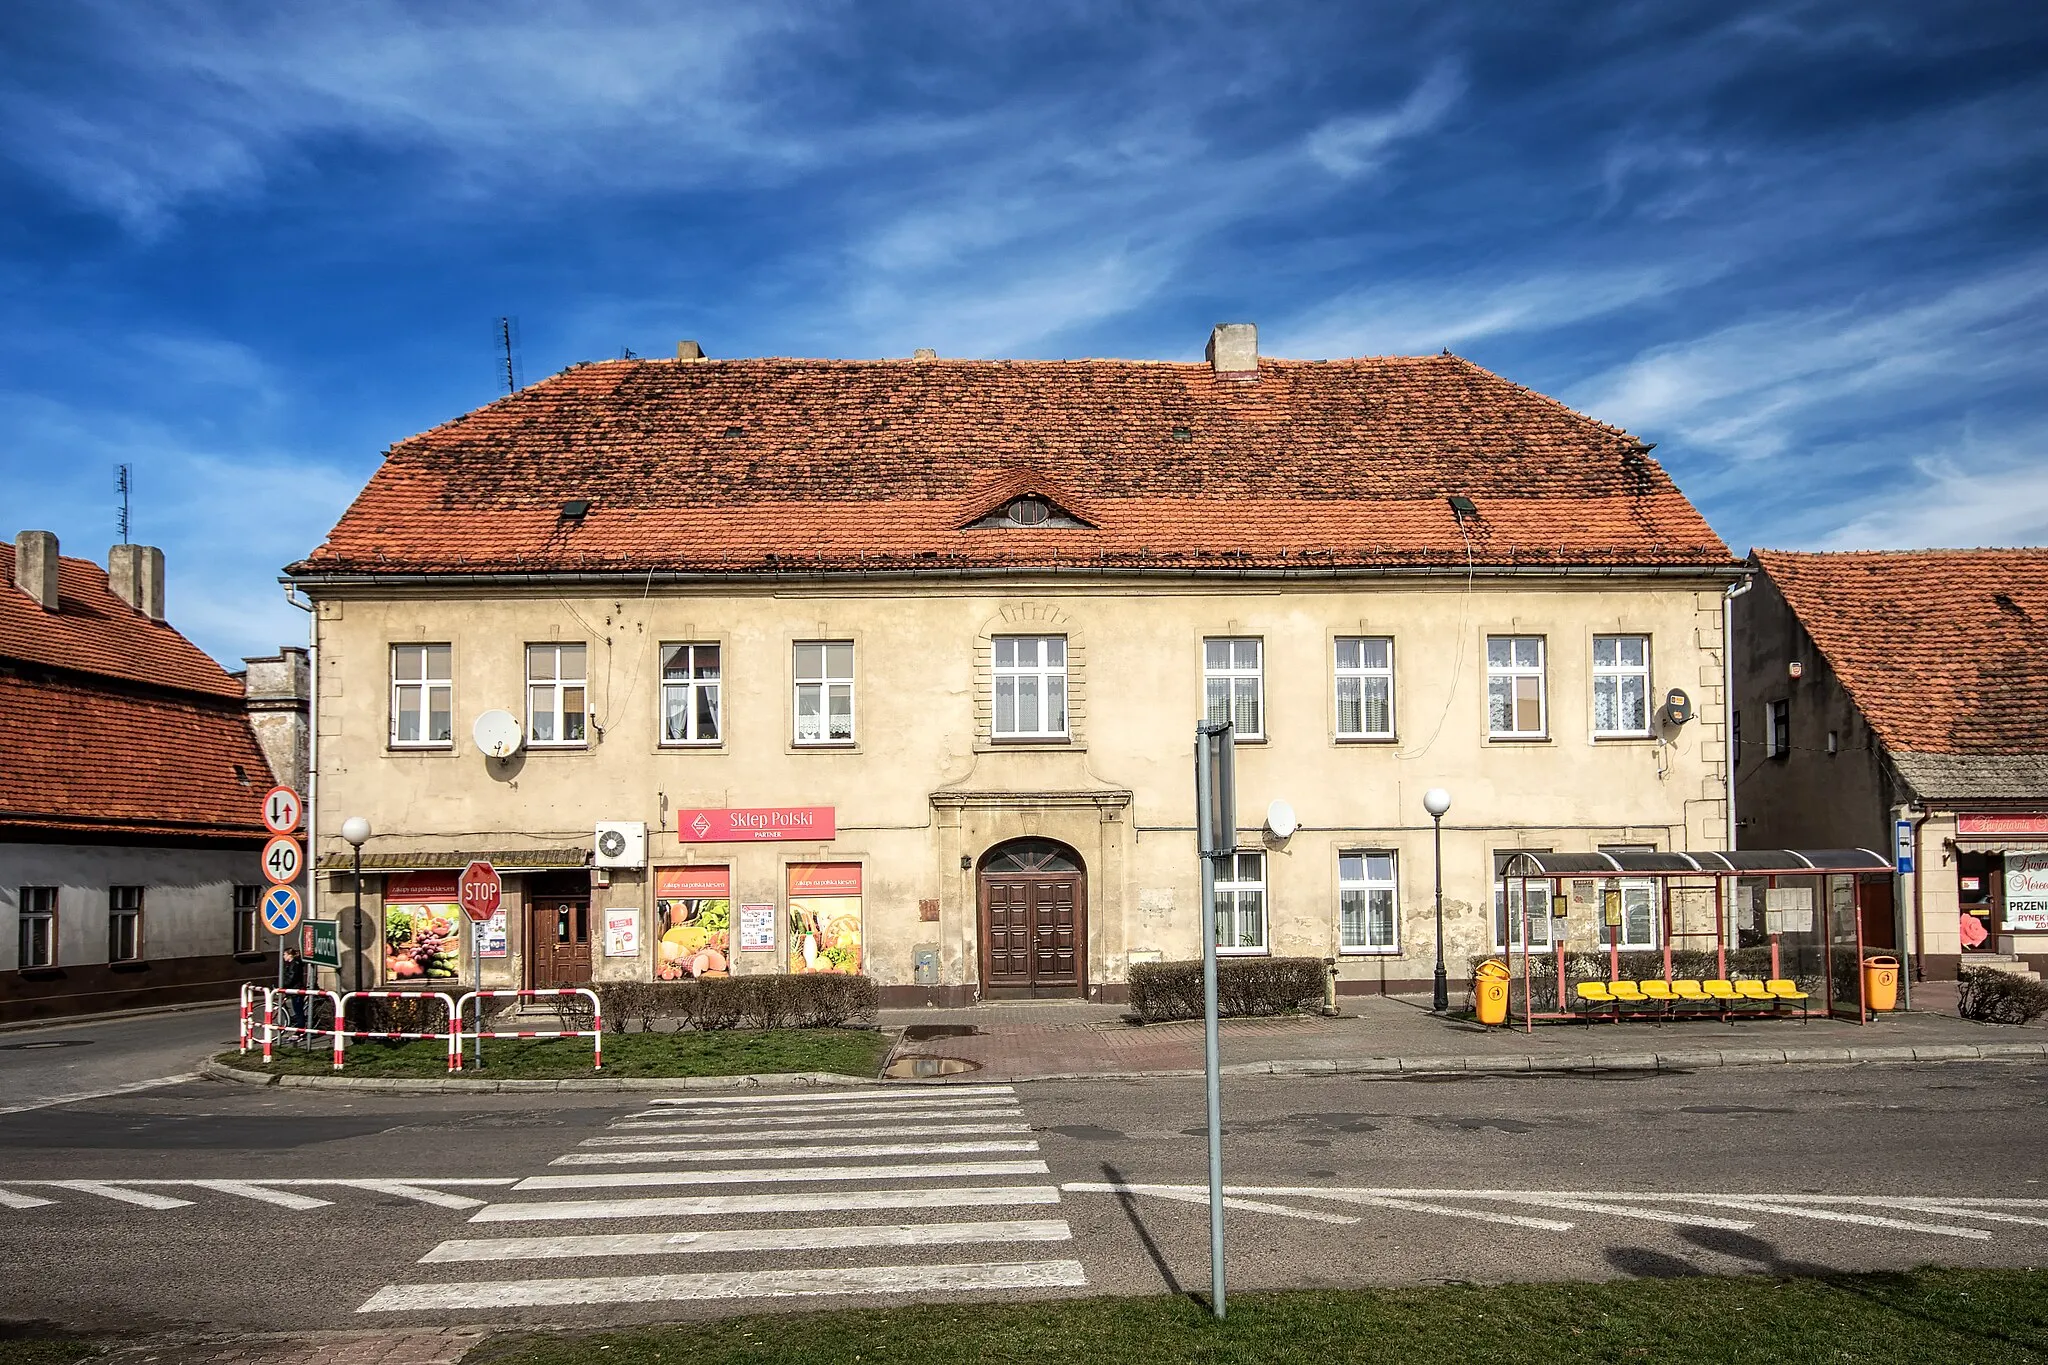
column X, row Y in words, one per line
column 1030, row 511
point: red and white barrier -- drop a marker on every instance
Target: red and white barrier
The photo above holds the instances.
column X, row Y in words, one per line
column 595, row 1032
column 247, row 1030
column 273, row 994
column 452, row 1036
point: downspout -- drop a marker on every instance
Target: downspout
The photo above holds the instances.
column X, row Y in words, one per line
column 312, row 804
column 1734, row 591
column 1919, row 910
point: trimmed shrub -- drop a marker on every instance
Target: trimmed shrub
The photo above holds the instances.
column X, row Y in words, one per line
column 1994, row 997
column 1244, row 986
column 764, row 1001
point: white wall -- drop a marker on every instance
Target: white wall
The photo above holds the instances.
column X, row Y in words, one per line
column 188, row 897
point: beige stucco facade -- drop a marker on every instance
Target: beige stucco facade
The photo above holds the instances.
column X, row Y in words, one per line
column 925, row 791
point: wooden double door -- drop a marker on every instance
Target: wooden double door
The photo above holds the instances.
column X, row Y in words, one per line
column 558, row 942
column 1034, row 920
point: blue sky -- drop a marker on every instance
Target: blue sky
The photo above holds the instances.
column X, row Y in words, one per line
column 247, row 246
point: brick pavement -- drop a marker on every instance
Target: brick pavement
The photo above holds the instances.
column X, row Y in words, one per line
column 433, row 1346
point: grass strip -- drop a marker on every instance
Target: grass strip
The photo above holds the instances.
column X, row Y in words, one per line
column 715, row 1052
column 1923, row 1317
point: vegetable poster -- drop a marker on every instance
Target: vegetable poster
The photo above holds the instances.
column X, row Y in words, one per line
column 693, row 916
column 824, row 918
column 423, row 928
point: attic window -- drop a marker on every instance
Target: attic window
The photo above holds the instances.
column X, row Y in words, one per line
column 735, row 431
column 1463, row 507
column 1183, row 434
column 241, row 774
column 2008, row 606
column 575, row 509
column 1030, row 511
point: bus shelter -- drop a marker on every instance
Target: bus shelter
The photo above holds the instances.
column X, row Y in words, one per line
column 1636, row 916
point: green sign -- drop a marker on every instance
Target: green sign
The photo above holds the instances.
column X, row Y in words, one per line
column 320, row 945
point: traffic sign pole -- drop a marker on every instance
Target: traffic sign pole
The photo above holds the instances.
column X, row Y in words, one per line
column 481, row 891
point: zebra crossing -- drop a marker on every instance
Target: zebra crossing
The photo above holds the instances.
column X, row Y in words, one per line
column 955, row 1175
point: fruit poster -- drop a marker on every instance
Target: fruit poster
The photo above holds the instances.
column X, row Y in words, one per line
column 824, row 918
column 693, row 918
column 423, row 929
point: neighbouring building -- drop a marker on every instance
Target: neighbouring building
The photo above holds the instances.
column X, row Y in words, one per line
column 132, row 772
column 799, row 665
column 1899, row 702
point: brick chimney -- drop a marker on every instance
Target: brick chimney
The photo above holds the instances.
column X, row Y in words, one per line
column 1234, row 350
column 689, row 350
column 136, row 575
column 280, row 694
column 35, row 566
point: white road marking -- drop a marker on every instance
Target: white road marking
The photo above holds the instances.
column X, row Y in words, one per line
column 938, row 1170
column 791, row 1153
column 111, row 1090
column 806, row 1201
column 726, row 1240
column 842, row 1096
column 1190, row 1196
column 111, row 1191
column 249, row 1190
column 1688, row 1220
column 973, row 1109
column 746, row 1284
column 1985, row 1215
column 1341, row 1196
column 10, row 1200
column 904, row 1106
column 1828, row 1215
column 777, row 1134
column 405, row 1190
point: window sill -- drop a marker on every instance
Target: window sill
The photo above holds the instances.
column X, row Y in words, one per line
column 574, row 746
column 1030, row 741
column 823, row 746
column 253, row 957
column 1244, row 952
column 690, row 746
column 50, row 972
column 447, row 748
column 132, row 964
column 1518, row 739
column 1624, row 737
column 1368, row 952
column 1367, row 739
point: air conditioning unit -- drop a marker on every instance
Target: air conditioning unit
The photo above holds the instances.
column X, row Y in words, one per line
column 621, row 843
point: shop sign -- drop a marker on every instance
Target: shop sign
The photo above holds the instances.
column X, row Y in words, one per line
column 757, row 928
column 2026, row 891
column 736, row 825
column 622, row 933
column 693, row 920
column 2002, row 824
column 320, row 942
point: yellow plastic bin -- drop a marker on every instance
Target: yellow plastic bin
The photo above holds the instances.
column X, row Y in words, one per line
column 1491, row 990
column 1880, row 983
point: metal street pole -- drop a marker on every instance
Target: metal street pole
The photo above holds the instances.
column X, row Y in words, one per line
column 356, row 938
column 1440, row 992
column 1216, row 802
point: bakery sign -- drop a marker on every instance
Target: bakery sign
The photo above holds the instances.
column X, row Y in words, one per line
column 2002, row 824
column 740, row 825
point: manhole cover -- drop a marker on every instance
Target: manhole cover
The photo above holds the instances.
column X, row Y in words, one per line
column 923, row 1068
column 924, row 1033
column 53, row 1042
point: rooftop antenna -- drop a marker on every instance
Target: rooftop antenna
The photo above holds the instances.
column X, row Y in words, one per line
column 508, row 343
column 124, row 484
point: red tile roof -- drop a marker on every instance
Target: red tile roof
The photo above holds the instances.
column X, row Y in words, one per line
column 113, row 725
column 764, row 465
column 93, row 631
column 1944, row 651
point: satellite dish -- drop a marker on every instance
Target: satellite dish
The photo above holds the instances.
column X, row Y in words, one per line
column 497, row 733
column 1280, row 819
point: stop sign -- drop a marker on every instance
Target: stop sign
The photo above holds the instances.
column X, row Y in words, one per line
column 481, row 890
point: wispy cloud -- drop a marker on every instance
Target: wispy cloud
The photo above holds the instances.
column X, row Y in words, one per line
column 1356, row 144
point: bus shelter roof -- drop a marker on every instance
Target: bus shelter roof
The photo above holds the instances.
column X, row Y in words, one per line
column 1748, row 862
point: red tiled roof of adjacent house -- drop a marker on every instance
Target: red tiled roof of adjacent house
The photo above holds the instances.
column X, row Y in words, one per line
column 93, row 631
column 114, row 725
column 1944, row 651
column 751, row 466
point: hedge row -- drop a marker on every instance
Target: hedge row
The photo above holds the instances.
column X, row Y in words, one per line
column 1244, row 986
column 1994, row 997
column 766, row 1000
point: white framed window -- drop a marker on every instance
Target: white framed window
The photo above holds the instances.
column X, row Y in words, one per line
column 1514, row 687
column 1621, row 685
column 124, row 924
column 1233, row 683
column 690, row 682
column 824, row 692
column 38, row 908
column 1241, row 904
column 1638, row 914
column 557, row 692
column 1365, row 687
column 247, row 898
column 1778, row 738
column 422, row 696
column 1366, row 900
column 1532, row 908
column 1031, row 686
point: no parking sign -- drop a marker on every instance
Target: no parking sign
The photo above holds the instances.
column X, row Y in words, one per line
column 281, row 910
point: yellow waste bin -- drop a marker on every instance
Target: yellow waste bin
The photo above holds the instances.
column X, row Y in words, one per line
column 1491, row 991
column 1880, row 983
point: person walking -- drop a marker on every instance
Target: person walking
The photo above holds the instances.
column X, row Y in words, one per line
column 293, row 978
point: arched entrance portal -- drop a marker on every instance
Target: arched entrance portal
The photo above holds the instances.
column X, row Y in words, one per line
column 1033, row 895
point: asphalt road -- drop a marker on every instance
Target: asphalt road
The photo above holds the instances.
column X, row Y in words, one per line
column 45, row 1063
column 503, row 1209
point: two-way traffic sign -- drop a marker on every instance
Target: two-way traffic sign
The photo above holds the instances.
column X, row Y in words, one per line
column 281, row 910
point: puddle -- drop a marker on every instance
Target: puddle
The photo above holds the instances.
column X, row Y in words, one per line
column 925, row 1033
column 923, row 1068
column 53, row 1042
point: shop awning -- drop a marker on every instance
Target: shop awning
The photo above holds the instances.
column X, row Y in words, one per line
column 1748, row 862
column 505, row 860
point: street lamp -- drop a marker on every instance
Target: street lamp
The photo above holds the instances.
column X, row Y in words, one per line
column 356, row 830
column 1436, row 801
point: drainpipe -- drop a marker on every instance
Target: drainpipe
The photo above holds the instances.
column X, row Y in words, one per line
column 1734, row 591
column 312, row 805
column 1919, row 972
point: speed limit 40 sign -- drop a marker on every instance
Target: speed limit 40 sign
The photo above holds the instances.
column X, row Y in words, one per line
column 282, row 859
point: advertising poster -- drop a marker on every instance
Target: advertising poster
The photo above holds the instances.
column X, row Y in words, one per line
column 490, row 935
column 622, row 933
column 757, row 928
column 2026, row 891
column 423, row 928
column 824, row 918
column 693, row 917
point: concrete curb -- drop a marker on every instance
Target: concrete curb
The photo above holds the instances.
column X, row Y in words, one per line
column 436, row 1085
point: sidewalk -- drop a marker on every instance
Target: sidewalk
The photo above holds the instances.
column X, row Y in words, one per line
column 1392, row 1035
